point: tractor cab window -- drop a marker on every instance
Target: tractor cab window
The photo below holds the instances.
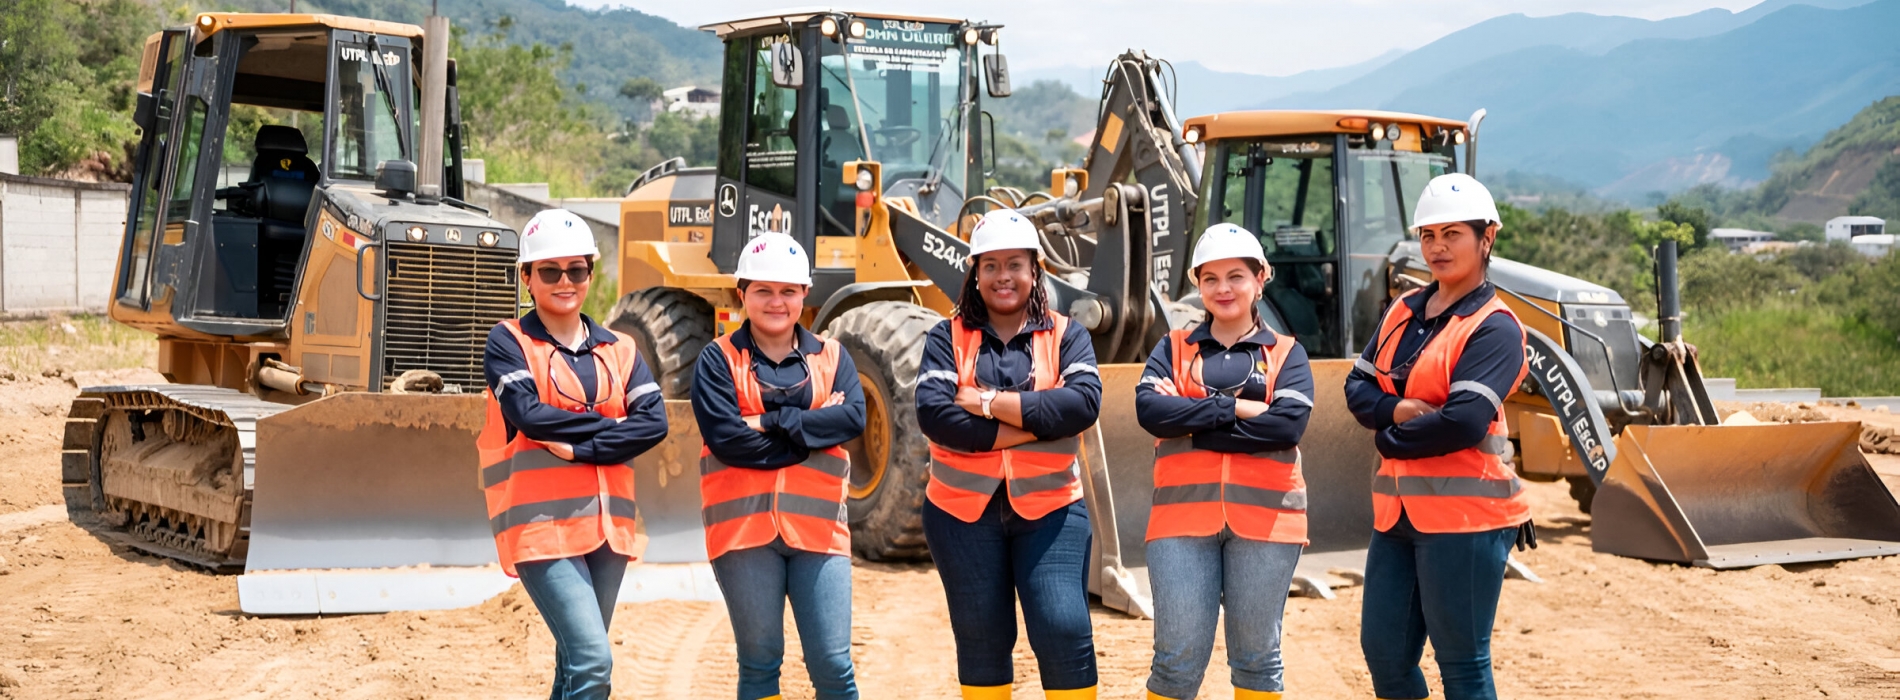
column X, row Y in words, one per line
column 1382, row 186
column 1282, row 191
column 370, row 112
column 893, row 97
column 771, row 149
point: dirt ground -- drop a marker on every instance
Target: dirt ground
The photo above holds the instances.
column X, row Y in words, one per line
column 85, row 620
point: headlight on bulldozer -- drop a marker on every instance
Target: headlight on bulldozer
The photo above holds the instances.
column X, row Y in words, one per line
column 417, row 233
column 1378, row 132
column 487, row 239
column 864, row 180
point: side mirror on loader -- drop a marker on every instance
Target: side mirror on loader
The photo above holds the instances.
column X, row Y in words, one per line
column 788, row 66
column 996, row 72
column 145, row 111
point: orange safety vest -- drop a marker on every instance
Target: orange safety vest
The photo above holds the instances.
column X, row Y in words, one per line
column 1262, row 495
column 1471, row 490
column 540, row 506
column 803, row 503
column 1043, row 476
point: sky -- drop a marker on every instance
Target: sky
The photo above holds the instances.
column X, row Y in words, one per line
column 1265, row 37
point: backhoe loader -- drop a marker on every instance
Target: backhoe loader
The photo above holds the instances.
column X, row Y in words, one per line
column 321, row 297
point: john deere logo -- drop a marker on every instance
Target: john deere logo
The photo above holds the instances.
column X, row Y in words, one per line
column 728, row 200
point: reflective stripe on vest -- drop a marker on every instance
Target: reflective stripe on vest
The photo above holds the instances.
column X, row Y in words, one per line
column 1043, row 476
column 540, row 506
column 1260, row 496
column 804, row 503
column 1471, row 490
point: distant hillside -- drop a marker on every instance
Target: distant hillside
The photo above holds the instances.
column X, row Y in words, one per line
column 1854, row 169
column 611, row 45
column 1203, row 90
column 1597, row 119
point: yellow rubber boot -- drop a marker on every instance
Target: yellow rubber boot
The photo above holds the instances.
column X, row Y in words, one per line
column 986, row 692
column 1244, row 694
column 1077, row 694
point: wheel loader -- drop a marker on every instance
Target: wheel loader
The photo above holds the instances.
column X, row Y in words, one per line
column 321, row 296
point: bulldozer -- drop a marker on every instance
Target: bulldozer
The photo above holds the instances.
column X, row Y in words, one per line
column 876, row 163
column 295, row 238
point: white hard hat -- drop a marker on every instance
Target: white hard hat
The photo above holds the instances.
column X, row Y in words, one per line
column 556, row 233
column 1223, row 241
column 1453, row 197
column 774, row 257
column 1003, row 229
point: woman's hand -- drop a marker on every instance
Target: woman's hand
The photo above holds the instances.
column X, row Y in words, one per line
column 561, row 450
column 1164, row 387
column 755, row 423
column 836, row 399
column 970, row 399
column 1247, row 409
column 1411, row 408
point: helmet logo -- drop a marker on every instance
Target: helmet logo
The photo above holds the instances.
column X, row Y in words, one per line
column 533, row 226
column 1454, row 188
column 759, row 248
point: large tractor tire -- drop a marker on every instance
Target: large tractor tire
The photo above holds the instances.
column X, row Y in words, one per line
column 671, row 327
column 890, row 464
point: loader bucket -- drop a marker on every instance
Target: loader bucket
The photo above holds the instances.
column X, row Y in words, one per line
column 1732, row 496
column 1337, row 458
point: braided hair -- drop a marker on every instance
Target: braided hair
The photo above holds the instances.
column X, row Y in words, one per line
column 975, row 314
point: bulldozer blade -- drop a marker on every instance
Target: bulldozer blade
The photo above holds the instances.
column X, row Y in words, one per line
column 1733, row 496
column 369, row 503
column 372, row 503
column 1338, row 460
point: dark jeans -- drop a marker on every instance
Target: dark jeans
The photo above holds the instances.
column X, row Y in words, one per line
column 1443, row 586
column 756, row 582
column 576, row 597
column 988, row 564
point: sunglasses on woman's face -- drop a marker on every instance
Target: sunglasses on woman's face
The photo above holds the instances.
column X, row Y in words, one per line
column 576, row 274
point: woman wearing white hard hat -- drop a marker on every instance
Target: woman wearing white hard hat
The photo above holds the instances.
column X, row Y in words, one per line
column 1228, row 403
column 1005, row 389
column 1447, row 506
column 570, row 404
column 774, row 404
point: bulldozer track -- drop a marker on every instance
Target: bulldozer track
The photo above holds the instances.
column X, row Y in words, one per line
column 192, row 415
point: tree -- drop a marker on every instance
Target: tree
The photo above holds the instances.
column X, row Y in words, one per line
column 66, row 79
column 641, row 90
column 1696, row 218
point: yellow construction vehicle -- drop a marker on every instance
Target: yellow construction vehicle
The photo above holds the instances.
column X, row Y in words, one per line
column 321, row 298
column 825, row 136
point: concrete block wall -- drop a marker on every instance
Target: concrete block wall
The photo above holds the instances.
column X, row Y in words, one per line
column 59, row 244
column 510, row 206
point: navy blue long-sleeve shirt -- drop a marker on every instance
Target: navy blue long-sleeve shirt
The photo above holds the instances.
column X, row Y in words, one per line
column 793, row 430
column 1483, row 376
column 596, row 439
column 1211, row 420
column 1049, row 415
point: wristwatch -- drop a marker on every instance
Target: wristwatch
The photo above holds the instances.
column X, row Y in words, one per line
column 988, row 395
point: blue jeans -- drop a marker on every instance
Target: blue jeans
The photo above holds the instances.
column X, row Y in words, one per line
column 1440, row 585
column 576, row 597
column 756, row 582
column 988, row 564
column 1192, row 579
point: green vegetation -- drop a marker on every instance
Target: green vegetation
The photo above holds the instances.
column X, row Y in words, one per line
column 78, row 343
column 67, row 70
column 1818, row 316
column 1035, row 131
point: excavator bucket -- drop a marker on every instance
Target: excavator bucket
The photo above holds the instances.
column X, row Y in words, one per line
column 372, row 502
column 1732, row 496
column 1337, row 458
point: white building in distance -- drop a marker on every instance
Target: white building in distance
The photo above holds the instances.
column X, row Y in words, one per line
column 691, row 101
column 1738, row 239
column 1845, row 228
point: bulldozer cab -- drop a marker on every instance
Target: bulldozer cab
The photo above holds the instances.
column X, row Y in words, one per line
column 247, row 120
column 807, row 93
column 1330, row 196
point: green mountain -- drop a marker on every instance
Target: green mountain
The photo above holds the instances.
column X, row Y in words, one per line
column 1854, row 169
column 1599, row 118
column 610, row 45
